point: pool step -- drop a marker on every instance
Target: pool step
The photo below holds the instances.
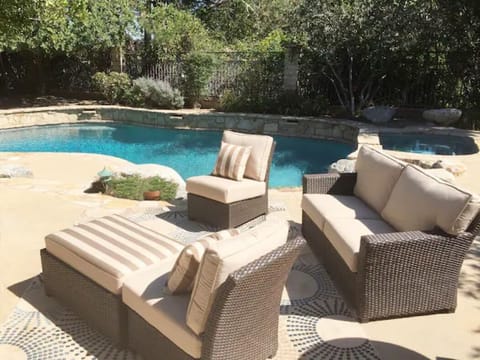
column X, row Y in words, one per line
column 89, row 115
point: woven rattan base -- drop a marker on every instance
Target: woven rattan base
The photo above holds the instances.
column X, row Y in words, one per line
column 225, row 216
column 391, row 287
column 101, row 309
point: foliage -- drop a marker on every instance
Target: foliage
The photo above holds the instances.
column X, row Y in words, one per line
column 48, row 29
column 258, row 84
column 15, row 19
column 197, row 68
column 363, row 47
column 287, row 103
column 114, row 86
column 353, row 52
column 64, row 26
column 173, row 32
column 134, row 96
column 244, row 20
column 158, row 93
column 133, row 186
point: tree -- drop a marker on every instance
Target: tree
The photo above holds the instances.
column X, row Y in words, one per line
column 243, row 20
column 15, row 19
column 360, row 42
column 45, row 28
column 174, row 32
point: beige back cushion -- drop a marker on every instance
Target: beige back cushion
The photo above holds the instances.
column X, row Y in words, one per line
column 223, row 258
column 182, row 275
column 258, row 162
column 377, row 173
column 232, row 161
column 421, row 202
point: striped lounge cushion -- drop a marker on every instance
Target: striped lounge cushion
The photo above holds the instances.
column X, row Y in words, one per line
column 231, row 161
column 182, row 276
column 109, row 248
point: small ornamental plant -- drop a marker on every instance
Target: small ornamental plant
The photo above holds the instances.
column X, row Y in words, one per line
column 133, row 187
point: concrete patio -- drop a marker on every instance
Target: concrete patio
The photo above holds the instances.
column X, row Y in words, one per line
column 53, row 199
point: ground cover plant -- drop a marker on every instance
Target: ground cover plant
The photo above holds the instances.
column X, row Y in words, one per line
column 133, row 186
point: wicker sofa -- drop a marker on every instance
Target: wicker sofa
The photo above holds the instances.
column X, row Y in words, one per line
column 392, row 238
column 112, row 272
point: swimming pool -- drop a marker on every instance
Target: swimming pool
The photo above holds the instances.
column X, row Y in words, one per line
column 429, row 143
column 189, row 152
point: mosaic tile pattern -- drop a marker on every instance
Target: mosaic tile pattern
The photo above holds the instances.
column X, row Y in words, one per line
column 53, row 334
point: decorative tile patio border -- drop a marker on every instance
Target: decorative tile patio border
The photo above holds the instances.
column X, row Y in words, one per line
column 349, row 131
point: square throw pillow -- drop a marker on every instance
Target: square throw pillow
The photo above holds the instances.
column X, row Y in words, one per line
column 231, row 161
column 182, row 276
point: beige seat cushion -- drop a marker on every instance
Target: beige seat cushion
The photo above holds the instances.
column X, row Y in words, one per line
column 109, row 248
column 319, row 206
column 146, row 294
column 345, row 234
column 258, row 161
column 225, row 190
column 377, row 174
column 223, row 258
column 231, row 161
column 185, row 269
column 421, row 202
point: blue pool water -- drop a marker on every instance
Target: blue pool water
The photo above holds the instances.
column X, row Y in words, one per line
column 429, row 144
column 188, row 152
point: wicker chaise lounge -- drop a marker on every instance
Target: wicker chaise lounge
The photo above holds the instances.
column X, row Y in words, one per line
column 228, row 203
column 401, row 254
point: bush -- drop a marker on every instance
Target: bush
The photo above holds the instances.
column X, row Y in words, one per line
column 198, row 68
column 133, row 186
column 135, row 97
column 114, row 86
column 158, row 93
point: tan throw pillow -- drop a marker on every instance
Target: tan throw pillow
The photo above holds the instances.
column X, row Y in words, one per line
column 183, row 273
column 377, row 174
column 231, row 161
column 223, row 258
column 421, row 202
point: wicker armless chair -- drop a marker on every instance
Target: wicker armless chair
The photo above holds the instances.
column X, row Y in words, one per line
column 400, row 273
column 243, row 323
column 224, row 203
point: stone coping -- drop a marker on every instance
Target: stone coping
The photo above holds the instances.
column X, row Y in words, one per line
column 343, row 130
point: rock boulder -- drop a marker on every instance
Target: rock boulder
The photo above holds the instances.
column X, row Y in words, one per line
column 12, row 170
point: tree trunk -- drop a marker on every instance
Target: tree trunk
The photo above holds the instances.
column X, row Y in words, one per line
column 40, row 66
column 3, row 75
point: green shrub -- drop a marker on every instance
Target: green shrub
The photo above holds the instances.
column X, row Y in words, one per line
column 134, row 97
column 198, row 68
column 114, row 86
column 133, row 186
column 158, row 93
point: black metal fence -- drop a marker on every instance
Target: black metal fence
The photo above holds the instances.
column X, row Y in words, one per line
column 259, row 73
